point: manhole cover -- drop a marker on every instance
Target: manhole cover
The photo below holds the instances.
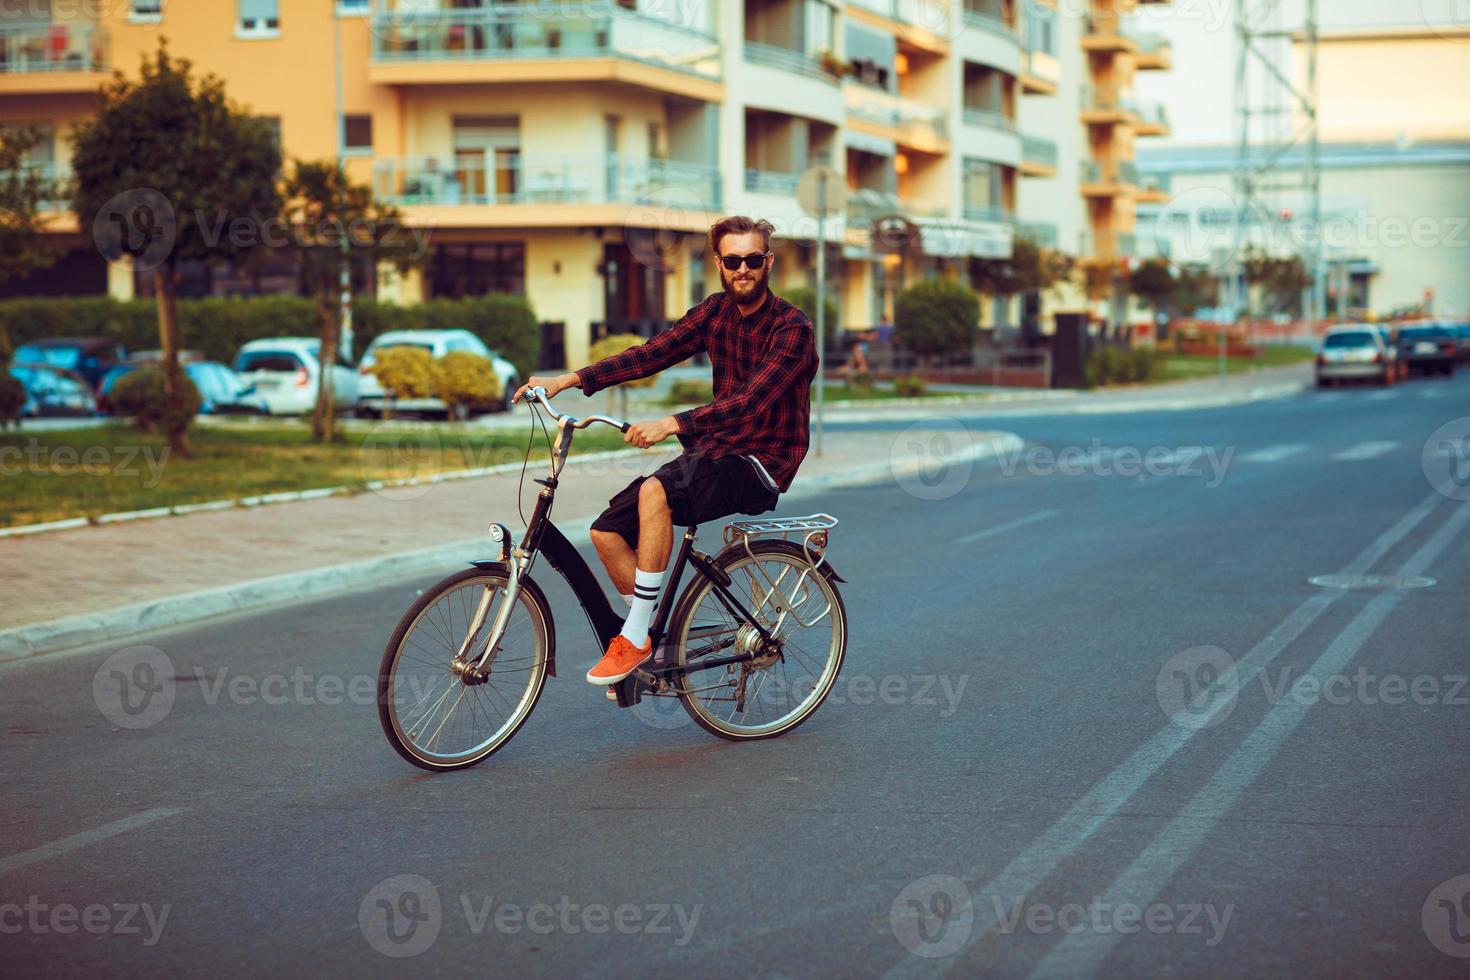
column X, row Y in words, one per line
column 1384, row 582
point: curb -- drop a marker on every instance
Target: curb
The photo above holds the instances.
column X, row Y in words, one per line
column 26, row 642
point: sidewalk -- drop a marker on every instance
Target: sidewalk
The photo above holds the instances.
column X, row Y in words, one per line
column 69, row 588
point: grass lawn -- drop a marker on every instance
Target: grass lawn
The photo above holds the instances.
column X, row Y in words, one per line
column 54, row 474
column 1183, row 366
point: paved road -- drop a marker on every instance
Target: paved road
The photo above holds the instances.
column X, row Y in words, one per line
column 1095, row 720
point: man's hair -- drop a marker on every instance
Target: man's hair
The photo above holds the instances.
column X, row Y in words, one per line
column 739, row 224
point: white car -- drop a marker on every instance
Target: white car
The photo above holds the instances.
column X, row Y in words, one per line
column 372, row 399
column 286, row 372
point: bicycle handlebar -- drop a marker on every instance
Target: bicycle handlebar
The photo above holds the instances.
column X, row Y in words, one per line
column 539, row 394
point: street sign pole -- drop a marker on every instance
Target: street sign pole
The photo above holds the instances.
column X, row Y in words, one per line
column 821, row 304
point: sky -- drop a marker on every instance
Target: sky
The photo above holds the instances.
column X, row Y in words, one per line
column 1203, row 38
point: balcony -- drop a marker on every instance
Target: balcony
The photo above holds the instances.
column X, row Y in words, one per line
column 980, row 232
column 1154, row 52
column 1152, row 119
column 906, row 121
column 991, row 22
column 58, row 57
column 1040, row 73
column 552, row 190
column 1153, row 188
column 1038, row 157
column 1103, row 106
column 771, row 182
column 544, row 44
column 1104, row 34
column 1110, row 178
column 923, row 24
column 988, row 119
column 1043, row 233
column 775, row 56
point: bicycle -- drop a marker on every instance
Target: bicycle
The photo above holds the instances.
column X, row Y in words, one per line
column 467, row 663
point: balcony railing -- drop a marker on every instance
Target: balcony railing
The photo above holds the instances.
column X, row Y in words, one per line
column 1043, row 233
column 771, row 182
column 1151, row 113
column 880, row 106
column 865, row 205
column 775, row 56
column 1148, row 42
column 543, row 179
column 1114, row 172
column 990, row 118
column 57, row 190
column 1126, row 243
column 1157, row 182
column 990, row 22
column 992, row 213
column 512, row 32
column 72, row 46
column 1039, row 150
column 929, row 14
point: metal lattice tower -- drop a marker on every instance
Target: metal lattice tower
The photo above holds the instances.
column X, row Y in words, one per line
column 1277, row 161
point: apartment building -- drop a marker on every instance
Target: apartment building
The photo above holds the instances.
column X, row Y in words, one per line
column 577, row 153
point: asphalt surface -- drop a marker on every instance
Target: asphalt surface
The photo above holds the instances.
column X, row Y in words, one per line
column 1095, row 719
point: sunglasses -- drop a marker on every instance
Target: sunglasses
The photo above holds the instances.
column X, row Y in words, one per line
column 755, row 260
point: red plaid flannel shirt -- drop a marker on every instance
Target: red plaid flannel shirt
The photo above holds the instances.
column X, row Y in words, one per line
column 763, row 370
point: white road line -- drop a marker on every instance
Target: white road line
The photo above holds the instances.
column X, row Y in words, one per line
column 85, row 838
column 1001, row 528
column 1381, row 396
column 1363, row 451
column 1082, row 954
column 1035, row 864
column 1335, row 396
column 1274, row 454
column 1429, row 393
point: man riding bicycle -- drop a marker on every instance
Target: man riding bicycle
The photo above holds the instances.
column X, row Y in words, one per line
column 741, row 451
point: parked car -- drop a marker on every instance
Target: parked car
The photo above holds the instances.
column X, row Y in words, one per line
column 1427, row 347
column 221, row 390
column 90, row 357
column 286, row 372
column 372, row 399
column 53, row 391
column 1462, row 341
column 1355, row 352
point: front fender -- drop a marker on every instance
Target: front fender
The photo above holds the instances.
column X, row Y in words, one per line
column 537, row 596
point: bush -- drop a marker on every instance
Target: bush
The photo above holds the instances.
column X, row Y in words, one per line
column 405, row 372
column 805, row 300
column 505, row 322
column 935, row 316
column 12, row 397
column 465, row 380
column 616, row 343
column 139, row 395
column 860, row 385
column 217, row 327
column 690, row 391
column 5, row 348
column 909, row 386
column 1112, row 365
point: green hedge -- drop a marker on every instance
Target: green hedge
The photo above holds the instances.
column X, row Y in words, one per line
column 1111, row 366
column 218, row 326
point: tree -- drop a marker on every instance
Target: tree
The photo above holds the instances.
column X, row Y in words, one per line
column 23, row 188
column 1198, row 287
column 1154, row 283
column 337, row 222
column 1281, row 278
column 1096, row 276
column 171, row 170
column 1030, row 269
column 935, row 316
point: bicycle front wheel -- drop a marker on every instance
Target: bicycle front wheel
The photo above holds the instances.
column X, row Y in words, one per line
column 782, row 684
column 439, row 718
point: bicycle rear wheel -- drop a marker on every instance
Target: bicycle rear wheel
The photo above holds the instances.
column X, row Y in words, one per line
column 440, row 719
column 780, row 687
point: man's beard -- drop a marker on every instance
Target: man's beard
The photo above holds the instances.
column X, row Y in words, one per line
column 757, row 295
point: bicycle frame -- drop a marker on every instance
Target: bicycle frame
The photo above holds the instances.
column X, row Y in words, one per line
column 543, row 537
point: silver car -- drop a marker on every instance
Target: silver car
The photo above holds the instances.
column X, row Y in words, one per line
column 1355, row 352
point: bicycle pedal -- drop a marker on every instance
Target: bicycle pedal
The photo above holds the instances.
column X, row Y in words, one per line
column 612, row 695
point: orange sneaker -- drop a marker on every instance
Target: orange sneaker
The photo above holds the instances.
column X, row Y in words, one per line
column 621, row 659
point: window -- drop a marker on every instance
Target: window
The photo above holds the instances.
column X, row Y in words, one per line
column 145, row 11
column 354, row 8
column 359, row 135
column 258, row 18
column 472, row 270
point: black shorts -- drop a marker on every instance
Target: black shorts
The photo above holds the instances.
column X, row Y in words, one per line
column 698, row 489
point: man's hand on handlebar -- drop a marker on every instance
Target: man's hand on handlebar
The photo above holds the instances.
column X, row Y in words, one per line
column 645, row 434
column 553, row 385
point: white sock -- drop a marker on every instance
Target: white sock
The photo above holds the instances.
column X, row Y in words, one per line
column 627, row 599
column 646, row 587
